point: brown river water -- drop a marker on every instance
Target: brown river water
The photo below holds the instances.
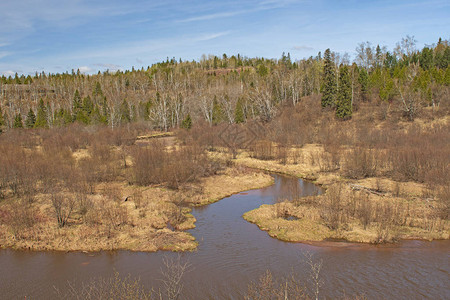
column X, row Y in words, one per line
column 233, row 252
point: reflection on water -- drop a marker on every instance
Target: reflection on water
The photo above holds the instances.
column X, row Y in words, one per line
column 232, row 252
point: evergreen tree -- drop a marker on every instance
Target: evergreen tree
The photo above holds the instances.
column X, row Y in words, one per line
column 344, row 99
column 67, row 118
column 2, row 120
column 88, row 105
column 76, row 104
column 217, row 113
column 41, row 119
column 329, row 81
column 125, row 115
column 97, row 90
column 187, row 122
column 239, row 112
column 18, row 121
column 82, row 117
column 96, row 117
column 105, row 111
column 363, row 80
column 379, row 57
column 426, row 58
column 31, row 119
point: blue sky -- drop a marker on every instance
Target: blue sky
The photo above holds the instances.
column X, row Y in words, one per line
column 60, row 35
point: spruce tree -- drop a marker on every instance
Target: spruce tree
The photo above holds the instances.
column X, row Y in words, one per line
column 2, row 120
column 187, row 122
column 18, row 121
column 363, row 80
column 217, row 113
column 41, row 119
column 31, row 119
column 344, row 98
column 88, row 105
column 97, row 90
column 329, row 81
column 239, row 112
column 76, row 101
column 125, row 115
column 67, row 118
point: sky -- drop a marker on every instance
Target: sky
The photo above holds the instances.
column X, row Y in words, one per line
column 60, row 35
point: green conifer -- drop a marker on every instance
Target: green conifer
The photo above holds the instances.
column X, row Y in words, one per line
column 76, row 101
column 344, row 99
column 217, row 113
column 18, row 121
column 2, row 120
column 329, row 81
column 31, row 119
column 125, row 115
column 239, row 112
column 41, row 119
column 187, row 122
column 363, row 80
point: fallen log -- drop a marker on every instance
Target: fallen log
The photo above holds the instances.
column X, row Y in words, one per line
column 357, row 187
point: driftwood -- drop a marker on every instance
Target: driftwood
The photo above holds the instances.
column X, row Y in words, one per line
column 357, row 187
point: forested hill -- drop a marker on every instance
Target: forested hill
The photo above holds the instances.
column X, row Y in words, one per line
column 232, row 89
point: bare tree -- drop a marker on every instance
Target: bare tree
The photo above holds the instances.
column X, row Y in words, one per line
column 172, row 275
column 314, row 267
column 63, row 206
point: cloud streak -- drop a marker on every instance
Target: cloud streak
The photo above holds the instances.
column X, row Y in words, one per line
column 260, row 6
column 4, row 54
column 302, row 48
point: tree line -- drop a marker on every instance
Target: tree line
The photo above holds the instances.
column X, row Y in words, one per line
column 173, row 93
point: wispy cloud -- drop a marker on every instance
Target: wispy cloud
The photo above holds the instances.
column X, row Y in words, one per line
column 107, row 66
column 141, row 48
column 4, row 54
column 211, row 36
column 215, row 16
column 260, row 6
column 302, row 48
column 9, row 73
column 85, row 69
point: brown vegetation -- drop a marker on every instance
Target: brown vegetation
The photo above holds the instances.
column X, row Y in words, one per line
column 107, row 192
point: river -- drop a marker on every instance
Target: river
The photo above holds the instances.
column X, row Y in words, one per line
column 233, row 252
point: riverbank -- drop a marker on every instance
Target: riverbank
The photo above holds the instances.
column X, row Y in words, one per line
column 367, row 210
column 152, row 218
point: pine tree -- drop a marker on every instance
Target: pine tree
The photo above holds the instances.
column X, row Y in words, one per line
column 239, row 112
column 363, row 80
column 187, row 122
column 2, row 120
column 76, row 104
column 344, row 99
column 217, row 113
column 18, row 121
column 125, row 115
column 378, row 57
column 88, row 105
column 41, row 119
column 329, row 81
column 97, row 90
column 96, row 117
column 31, row 119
